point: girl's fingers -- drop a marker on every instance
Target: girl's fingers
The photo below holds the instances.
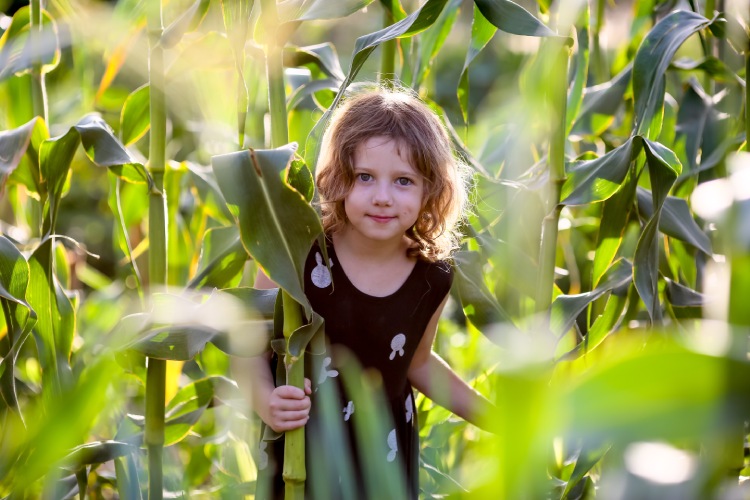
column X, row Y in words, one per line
column 308, row 386
column 289, row 392
column 290, row 425
column 291, row 404
column 295, row 416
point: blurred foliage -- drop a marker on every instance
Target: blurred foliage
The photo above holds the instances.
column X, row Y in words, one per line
column 632, row 384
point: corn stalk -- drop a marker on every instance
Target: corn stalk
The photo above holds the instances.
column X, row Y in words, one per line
column 156, row 375
column 293, row 472
column 388, row 54
column 38, row 88
column 557, row 101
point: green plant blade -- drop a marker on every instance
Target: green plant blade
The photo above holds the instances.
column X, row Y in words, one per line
column 663, row 167
column 479, row 304
column 277, row 225
column 604, row 325
column 13, row 146
column 301, row 10
column 582, row 58
column 482, row 32
column 16, row 55
column 676, row 220
column 682, row 296
column 566, row 308
column 653, row 58
column 55, row 157
column 600, row 104
column 597, row 180
column 189, row 20
column 615, row 213
column 322, row 55
column 432, row 40
column 222, row 258
column 512, row 18
column 97, row 453
column 135, row 118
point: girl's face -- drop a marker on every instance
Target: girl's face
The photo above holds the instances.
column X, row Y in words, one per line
column 386, row 198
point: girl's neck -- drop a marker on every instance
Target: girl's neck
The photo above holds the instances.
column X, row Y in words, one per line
column 375, row 251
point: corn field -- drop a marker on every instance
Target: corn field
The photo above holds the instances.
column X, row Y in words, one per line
column 155, row 154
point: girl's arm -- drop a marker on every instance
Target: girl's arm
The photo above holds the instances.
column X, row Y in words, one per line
column 432, row 376
column 283, row 408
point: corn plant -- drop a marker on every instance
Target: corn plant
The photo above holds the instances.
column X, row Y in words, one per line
column 609, row 224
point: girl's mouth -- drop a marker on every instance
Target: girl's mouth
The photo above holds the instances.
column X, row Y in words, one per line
column 381, row 218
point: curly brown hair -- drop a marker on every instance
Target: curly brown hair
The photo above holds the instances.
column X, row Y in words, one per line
column 398, row 114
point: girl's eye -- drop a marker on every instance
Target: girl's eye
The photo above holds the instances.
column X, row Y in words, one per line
column 364, row 177
column 404, row 181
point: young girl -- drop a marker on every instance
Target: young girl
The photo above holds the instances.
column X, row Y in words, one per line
column 391, row 194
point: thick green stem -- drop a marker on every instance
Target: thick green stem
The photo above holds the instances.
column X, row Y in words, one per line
column 556, row 159
column 157, row 368
column 153, row 437
column 38, row 88
column 388, row 54
column 275, row 75
column 294, row 472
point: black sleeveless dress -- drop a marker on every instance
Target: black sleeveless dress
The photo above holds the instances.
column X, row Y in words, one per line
column 382, row 335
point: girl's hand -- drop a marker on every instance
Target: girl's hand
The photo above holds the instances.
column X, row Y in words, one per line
column 289, row 407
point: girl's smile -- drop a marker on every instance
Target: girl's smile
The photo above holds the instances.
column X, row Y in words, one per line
column 386, row 198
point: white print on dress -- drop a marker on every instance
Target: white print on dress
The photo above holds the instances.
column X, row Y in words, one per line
column 409, row 411
column 262, row 455
column 325, row 372
column 397, row 345
column 321, row 276
column 348, row 410
column 393, row 445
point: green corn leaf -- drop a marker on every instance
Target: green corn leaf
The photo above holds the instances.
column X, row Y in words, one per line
column 16, row 55
column 55, row 157
column 188, row 21
column 676, row 220
column 715, row 68
column 682, row 296
column 663, row 167
column 322, row 55
column 222, row 259
column 300, row 178
column 482, row 32
column 180, row 245
column 582, row 58
column 302, row 336
column 236, row 14
column 14, row 144
column 588, row 457
column 691, row 123
column 566, row 308
column 432, row 40
column 208, row 192
column 97, row 453
column 277, row 225
column 55, row 326
column 299, row 96
column 414, row 23
column 103, row 148
column 135, row 116
column 604, row 325
column 596, row 180
column 600, row 104
column 640, row 398
column 479, row 304
column 615, row 213
column 310, row 10
column 653, row 58
column 247, row 342
column 512, row 18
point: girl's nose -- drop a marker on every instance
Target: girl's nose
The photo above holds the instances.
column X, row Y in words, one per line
column 382, row 196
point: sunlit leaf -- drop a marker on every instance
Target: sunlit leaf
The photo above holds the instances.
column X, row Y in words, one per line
column 277, row 225
column 653, row 58
column 676, row 220
column 715, row 68
column 55, row 157
column 222, row 258
column 663, row 167
column 135, row 115
column 596, row 180
column 97, row 453
column 479, row 304
column 16, row 52
column 512, row 18
column 13, row 146
column 432, row 40
column 582, row 58
column 482, row 32
column 189, row 20
column 600, row 103
column 323, row 55
column 682, row 296
column 566, row 308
